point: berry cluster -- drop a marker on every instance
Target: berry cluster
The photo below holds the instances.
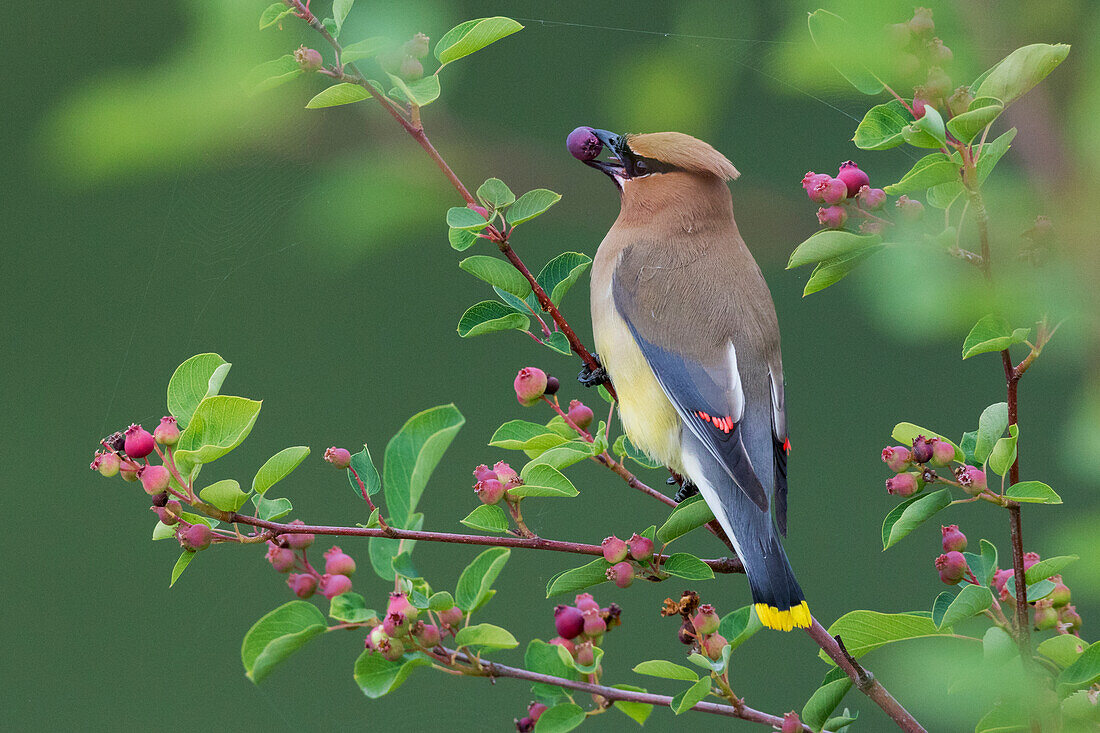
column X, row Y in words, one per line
column 404, row 61
column 698, row 624
column 924, row 453
column 621, row 553
column 526, row 724
column 288, row 552
column 493, row 483
column 922, row 57
column 402, row 628
column 581, row 627
column 850, row 193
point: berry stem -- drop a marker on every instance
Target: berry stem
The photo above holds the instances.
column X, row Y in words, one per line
column 366, row 498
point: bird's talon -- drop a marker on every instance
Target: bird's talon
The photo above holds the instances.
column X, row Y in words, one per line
column 687, row 490
column 590, row 377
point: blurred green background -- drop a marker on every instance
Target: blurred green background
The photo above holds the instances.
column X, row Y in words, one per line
column 153, row 210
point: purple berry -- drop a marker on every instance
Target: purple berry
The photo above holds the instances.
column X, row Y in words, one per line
column 281, row 558
column 896, row 458
column 922, row 449
column 641, row 548
column 832, row 217
column 552, row 386
column 952, row 567
column 953, row 539
column 168, row 432
column 853, row 178
column 530, row 385
column 903, row 484
column 535, row 710
column 525, row 724
column 614, row 549
column 583, row 144
column 139, row 442
column 303, row 584
column 338, row 563
column 339, row 457
column 568, row 621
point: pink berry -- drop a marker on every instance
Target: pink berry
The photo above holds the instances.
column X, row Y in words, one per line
column 489, row 491
column 308, row 59
column 922, row 99
column 338, row 563
column 903, row 484
column 169, row 514
column 586, row 654
column 706, row 620
column 568, row 621
column 971, row 478
column 829, row 191
column 1000, row 582
column 811, row 183
column 392, row 649
column 168, row 432
column 952, row 567
column 195, row 537
column 281, row 558
column 298, row 541
column 943, row 453
column 339, row 457
column 1030, row 558
column 791, row 723
column 580, row 414
column 621, row 574
column 1069, row 616
column 417, row 46
column 583, row 144
column 594, row 625
column 872, row 199
column 1060, row 596
column 128, row 470
column 154, row 479
column 832, row 217
column 896, row 458
column 333, row 585
column 565, row 644
column 302, row 584
column 451, row 617
column 530, row 385
column 108, row 464
column 535, row 710
column 139, row 442
column 853, row 177
column 614, row 549
column 713, row 646
column 427, row 635
column 953, row 539
column 524, row 724
column 399, row 603
column 483, row 473
column 641, row 548
column 585, row 602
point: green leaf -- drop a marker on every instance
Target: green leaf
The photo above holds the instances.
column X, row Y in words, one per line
column 984, row 565
column 544, row 658
column 162, row 531
column 498, row 273
column 1063, row 649
column 463, row 217
column 383, row 550
column 560, row 273
column 1048, row 567
column 979, row 115
column 998, row 647
column 184, row 560
column 488, row 316
column 278, row 467
column 597, row 656
column 460, row 239
column 367, row 48
column 932, row 124
column 991, row 426
column 271, row 509
column 529, row 205
column 690, row 697
column 340, row 10
column 565, row 455
column 580, row 578
column 824, row 701
column 1022, row 69
column 441, row 601
column 523, row 435
column 273, row 14
column 940, row 606
column 277, row 635
column 637, row 711
column 993, row 152
column 1035, row 591
column 225, row 495
column 967, row 444
column 421, row 92
column 219, row 425
column 540, row 479
column 841, row 722
column 402, row 565
column 1032, row 492
column 473, row 35
column 377, row 676
column 881, row 128
column 350, row 608
column 865, row 631
column 944, row 194
column 271, row 74
column 486, row 636
column 1004, row 453
column 906, row 432
column 910, row 514
column 687, row 516
column 558, row 342
column 971, row 600
column 363, row 465
column 1009, row 716
column 495, row 194
column 1084, row 671
column 833, row 270
column 473, row 586
column 338, row 94
column 992, row 333
column 739, row 626
column 837, row 42
column 487, row 518
column 413, row 454
column 931, row 170
column 687, row 566
column 666, row 670
column 919, row 138
column 560, row 718
column 829, row 244
column 199, row 377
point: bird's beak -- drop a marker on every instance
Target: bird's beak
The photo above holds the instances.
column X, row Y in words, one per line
column 613, row 167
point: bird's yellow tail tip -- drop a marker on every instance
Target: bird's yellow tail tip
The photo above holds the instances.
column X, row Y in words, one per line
column 786, row 619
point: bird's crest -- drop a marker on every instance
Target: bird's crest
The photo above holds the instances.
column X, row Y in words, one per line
column 682, row 151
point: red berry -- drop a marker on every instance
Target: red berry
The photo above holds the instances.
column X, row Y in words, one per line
column 489, row 491
column 641, row 548
column 128, row 470
column 303, row 584
column 832, row 217
column 938, row 83
column 568, row 621
column 579, row 414
column 298, row 541
column 139, row 442
column 154, row 479
column 903, row 484
column 583, row 144
column 339, row 457
column 1000, row 582
column 281, row 558
column 952, row 567
column 953, row 539
column 853, row 177
column 168, row 432
column 614, row 549
column 960, row 100
column 530, row 385
column 169, row 514
column 1069, row 616
column 338, row 563
column 525, row 725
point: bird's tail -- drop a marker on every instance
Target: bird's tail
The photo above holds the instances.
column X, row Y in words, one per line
column 775, row 591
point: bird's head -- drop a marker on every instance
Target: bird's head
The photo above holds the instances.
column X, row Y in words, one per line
column 635, row 158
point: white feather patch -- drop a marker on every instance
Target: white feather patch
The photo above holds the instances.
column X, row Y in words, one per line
column 693, row 469
column 736, row 393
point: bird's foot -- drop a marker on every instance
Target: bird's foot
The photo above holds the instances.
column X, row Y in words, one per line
column 687, row 490
column 590, row 377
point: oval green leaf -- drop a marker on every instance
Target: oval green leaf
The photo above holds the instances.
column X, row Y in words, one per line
column 580, row 578
column 413, row 454
column 687, row 516
column 489, row 316
column 864, row 631
column 278, row 467
column 912, row 514
column 487, row 518
column 882, row 126
column 531, row 204
column 829, row 244
column 199, row 377
column 498, row 273
column 931, row 170
column 560, row 273
column 1032, row 492
column 277, row 635
column 474, row 584
column 338, row 94
column 687, row 566
column 473, row 35
column 225, row 495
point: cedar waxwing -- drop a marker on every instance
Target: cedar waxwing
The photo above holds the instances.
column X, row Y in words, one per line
column 686, row 330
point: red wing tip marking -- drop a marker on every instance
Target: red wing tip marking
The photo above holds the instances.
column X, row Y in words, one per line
column 787, row 446
column 725, row 424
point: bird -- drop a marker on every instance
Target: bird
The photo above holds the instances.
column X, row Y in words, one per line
column 685, row 330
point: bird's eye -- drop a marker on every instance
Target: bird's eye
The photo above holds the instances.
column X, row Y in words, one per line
column 640, row 166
